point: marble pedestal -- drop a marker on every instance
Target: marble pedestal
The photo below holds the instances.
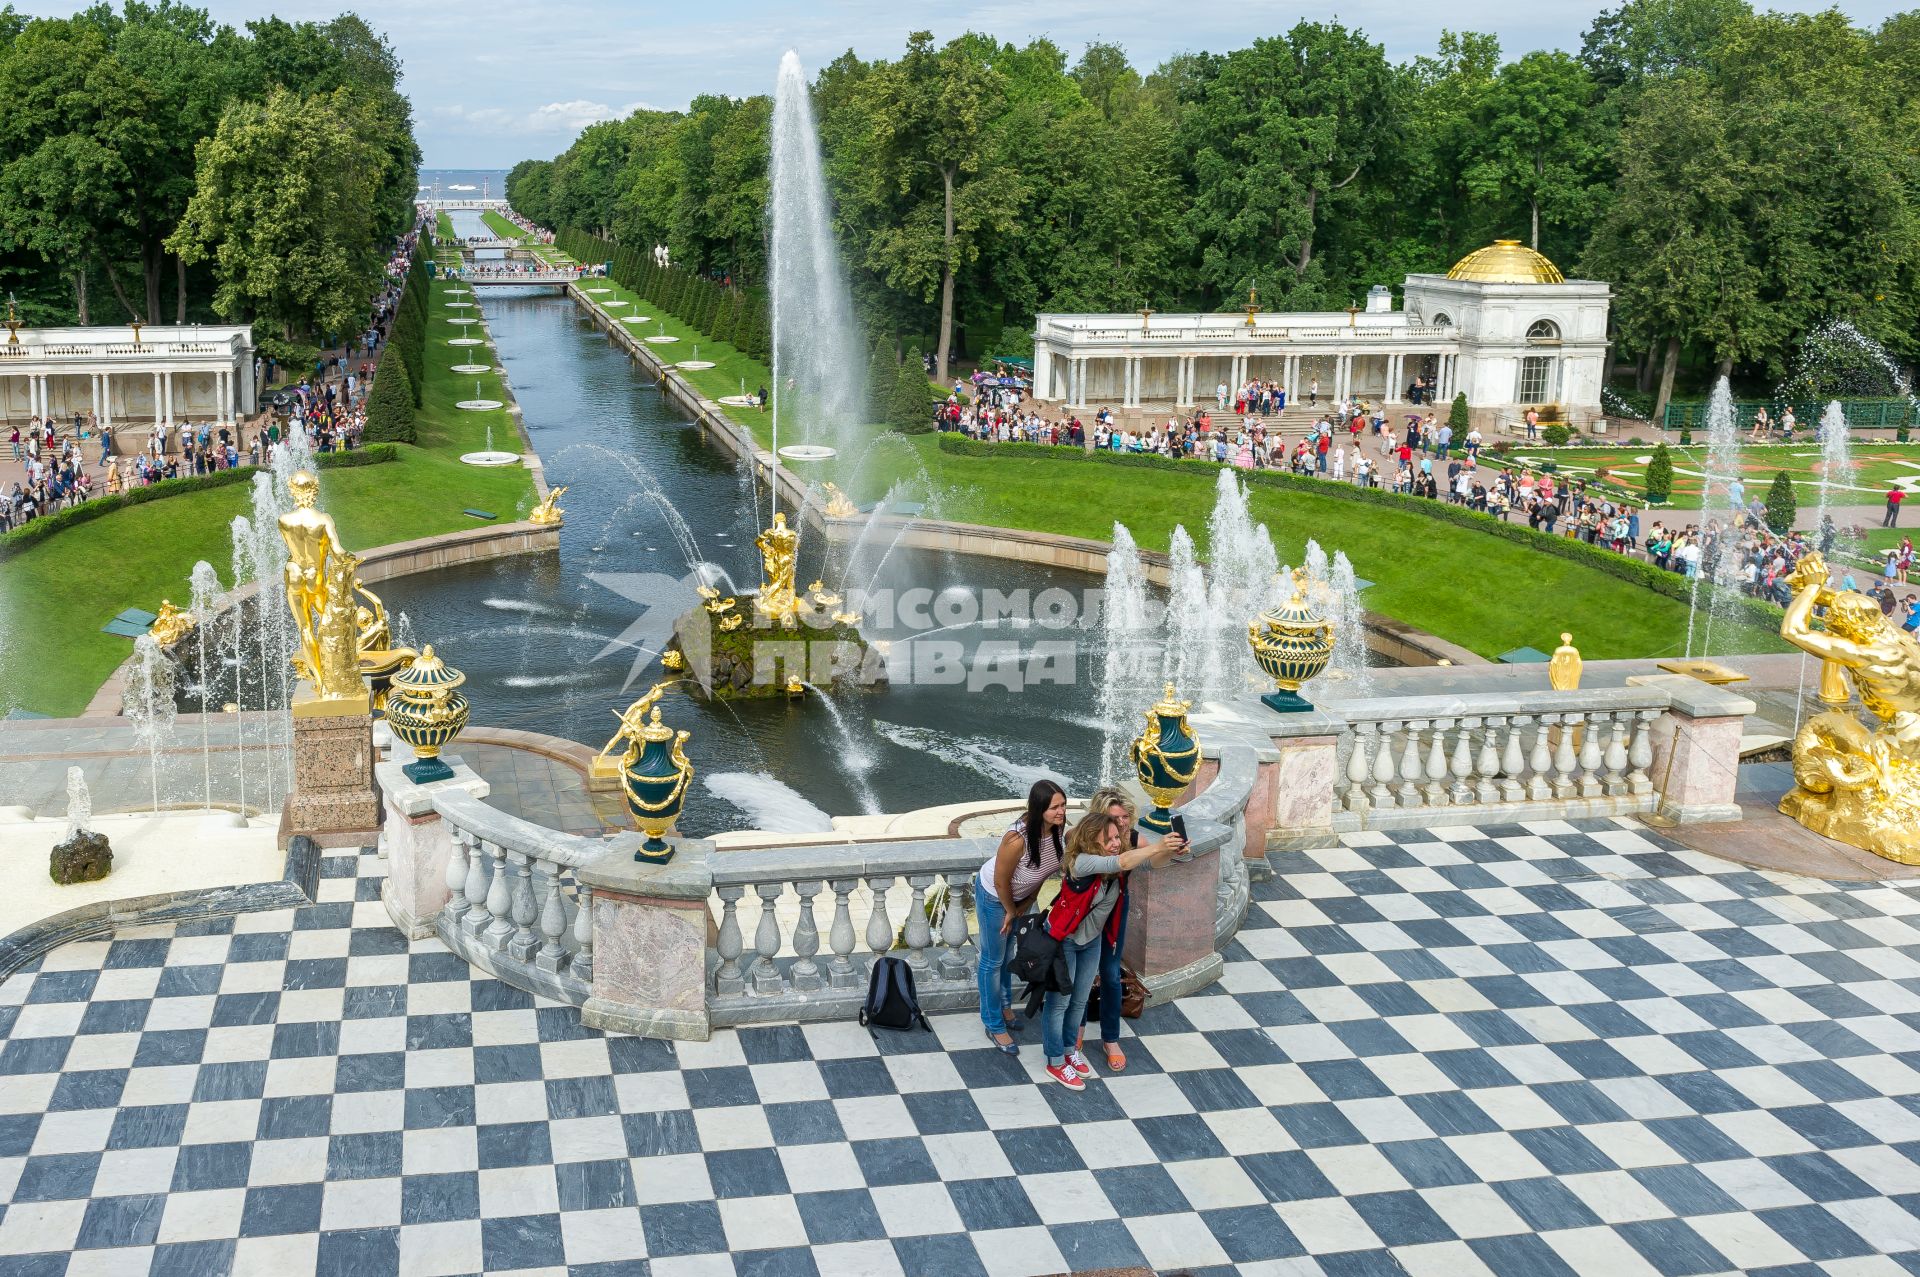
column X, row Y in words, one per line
column 418, row 844
column 1170, row 925
column 333, row 800
column 650, row 927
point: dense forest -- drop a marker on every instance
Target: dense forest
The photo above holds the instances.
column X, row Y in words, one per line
column 157, row 166
column 1739, row 177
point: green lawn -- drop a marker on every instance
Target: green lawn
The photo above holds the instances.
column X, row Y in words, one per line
column 1876, row 465
column 60, row 592
column 1477, row 590
column 500, row 225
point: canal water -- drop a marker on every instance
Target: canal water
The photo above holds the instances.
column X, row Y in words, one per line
column 559, row 642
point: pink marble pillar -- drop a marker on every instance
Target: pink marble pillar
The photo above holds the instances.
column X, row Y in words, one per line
column 650, row 926
column 1171, row 916
column 1696, row 766
column 1300, row 795
column 418, row 844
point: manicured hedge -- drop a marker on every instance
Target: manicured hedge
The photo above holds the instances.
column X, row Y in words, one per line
column 1671, row 584
column 46, row 525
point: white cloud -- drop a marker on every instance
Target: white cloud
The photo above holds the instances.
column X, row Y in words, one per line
column 552, row 118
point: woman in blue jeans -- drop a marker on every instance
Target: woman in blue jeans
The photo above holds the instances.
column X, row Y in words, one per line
column 1094, row 884
column 1030, row 853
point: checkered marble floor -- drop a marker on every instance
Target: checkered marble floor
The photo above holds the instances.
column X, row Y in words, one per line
column 1551, row 1049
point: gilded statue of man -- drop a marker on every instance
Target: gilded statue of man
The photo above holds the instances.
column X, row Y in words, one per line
column 319, row 580
column 777, row 556
column 1858, row 784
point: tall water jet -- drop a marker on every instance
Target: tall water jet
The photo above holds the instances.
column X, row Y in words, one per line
column 1722, row 502
column 204, row 586
column 1129, row 662
column 241, row 531
column 818, row 387
column 1836, row 467
column 1188, row 662
column 149, row 703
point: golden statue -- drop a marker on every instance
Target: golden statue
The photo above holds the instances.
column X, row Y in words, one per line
column 629, row 736
column 172, row 625
column 320, row 584
column 1854, row 783
column 838, row 505
column 1563, row 668
column 775, row 600
column 548, row 513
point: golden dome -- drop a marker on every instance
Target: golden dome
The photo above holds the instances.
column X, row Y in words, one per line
column 1506, row 261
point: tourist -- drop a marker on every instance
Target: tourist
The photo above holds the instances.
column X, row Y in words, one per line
column 1904, row 564
column 1894, row 497
column 1030, row 852
column 1113, row 938
column 1093, row 884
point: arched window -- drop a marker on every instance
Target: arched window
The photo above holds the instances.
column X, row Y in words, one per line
column 1543, row 330
column 1443, row 320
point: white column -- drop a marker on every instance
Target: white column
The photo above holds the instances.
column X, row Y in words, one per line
column 93, row 393
column 106, row 398
column 157, row 399
column 223, row 395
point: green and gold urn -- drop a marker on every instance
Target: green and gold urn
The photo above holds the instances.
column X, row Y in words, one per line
column 1293, row 642
column 1166, row 758
column 655, row 773
column 426, row 710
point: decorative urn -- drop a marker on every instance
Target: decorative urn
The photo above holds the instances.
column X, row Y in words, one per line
column 426, row 710
column 1166, row 758
column 655, row 773
column 1292, row 642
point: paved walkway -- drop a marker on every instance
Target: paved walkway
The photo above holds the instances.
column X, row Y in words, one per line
column 1527, row 1050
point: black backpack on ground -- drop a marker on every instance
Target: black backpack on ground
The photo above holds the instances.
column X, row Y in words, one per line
column 891, row 1000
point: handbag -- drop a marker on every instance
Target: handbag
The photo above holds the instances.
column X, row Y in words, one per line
column 1133, row 997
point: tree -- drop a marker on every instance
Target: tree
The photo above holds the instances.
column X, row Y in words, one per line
column 912, row 407
column 1660, row 475
column 1459, row 417
column 390, row 403
column 883, row 376
column 1536, row 141
column 1655, row 38
column 1781, row 506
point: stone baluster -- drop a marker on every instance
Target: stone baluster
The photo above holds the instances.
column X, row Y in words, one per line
column 1616, row 756
column 955, row 963
column 500, row 900
column 879, row 928
column 1540, row 762
column 1411, row 772
column 919, row 936
column 524, row 940
column 1435, row 790
column 805, row 973
column 457, row 875
column 553, row 921
column 1381, row 792
column 1486, row 766
column 1461, row 764
column 1640, row 754
column 766, row 939
column 1564, row 757
column 728, row 979
column 476, row 915
column 1593, row 729
column 1513, row 762
column 841, row 973
column 582, row 968
column 1354, row 796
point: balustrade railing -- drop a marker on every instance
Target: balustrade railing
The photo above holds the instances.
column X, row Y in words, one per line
column 1173, row 334
column 1565, row 754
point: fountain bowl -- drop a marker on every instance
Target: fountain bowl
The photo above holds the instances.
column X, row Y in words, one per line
column 466, row 341
column 737, row 401
column 484, row 458
column 597, row 291
column 472, row 368
column 479, row 405
column 615, row 304
column 694, row 365
column 808, row 452
column 660, row 339
column 459, row 305
column 461, row 319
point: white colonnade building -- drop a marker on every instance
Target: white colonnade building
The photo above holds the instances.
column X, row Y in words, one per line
column 127, row 376
column 1503, row 325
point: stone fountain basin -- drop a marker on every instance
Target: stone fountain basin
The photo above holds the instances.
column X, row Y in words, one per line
column 597, row 291
column 484, row 458
column 660, row 339
column 459, row 305
column 614, row 305
column 466, row 341
column 472, row 368
column 479, row 405
column 807, row 452
column 694, row 365
column 737, row 401
column 636, row 319
column 461, row 319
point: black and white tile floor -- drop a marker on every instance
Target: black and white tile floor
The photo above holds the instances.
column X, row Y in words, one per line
column 1559, row 1048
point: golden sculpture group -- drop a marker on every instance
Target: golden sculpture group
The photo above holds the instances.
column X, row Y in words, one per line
column 776, row 600
column 1855, row 783
column 548, row 513
column 342, row 642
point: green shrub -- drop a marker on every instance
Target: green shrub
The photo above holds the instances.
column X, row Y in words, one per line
column 912, row 408
column 1660, row 475
column 883, row 371
column 1671, row 584
column 1686, row 436
column 390, row 405
column 1781, row 505
column 1555, row 435
column 1459, row 417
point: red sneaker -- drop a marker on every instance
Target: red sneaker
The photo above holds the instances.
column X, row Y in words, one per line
column 1067, row 1076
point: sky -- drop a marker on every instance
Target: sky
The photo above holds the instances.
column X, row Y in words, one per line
column 493, row 84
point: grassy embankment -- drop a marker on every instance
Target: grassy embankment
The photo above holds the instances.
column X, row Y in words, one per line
column 61, row 591
column 1483, row 592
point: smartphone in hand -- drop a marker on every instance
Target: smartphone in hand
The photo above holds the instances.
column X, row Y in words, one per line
column 1186, row 850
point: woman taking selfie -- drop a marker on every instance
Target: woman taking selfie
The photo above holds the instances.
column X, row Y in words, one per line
column 1114, row 802
column 1092, row 889
column 1030, row 853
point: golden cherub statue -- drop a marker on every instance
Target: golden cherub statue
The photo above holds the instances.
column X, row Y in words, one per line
column 171, row 625
column 1858, row 784
column 320, row 583
column 838, row 505
column 548, row 513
